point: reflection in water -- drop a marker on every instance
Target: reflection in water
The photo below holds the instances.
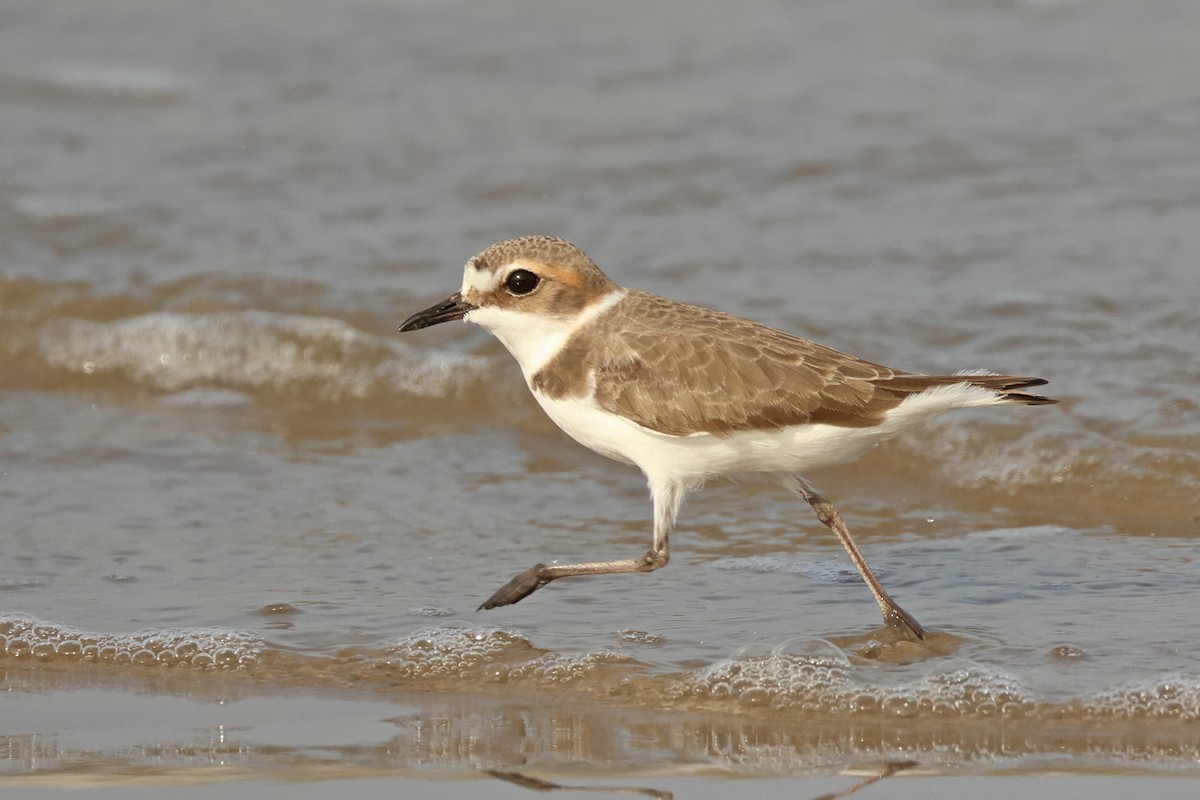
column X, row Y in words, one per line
column 889, row 769
column 240, row 720
column 539, row 785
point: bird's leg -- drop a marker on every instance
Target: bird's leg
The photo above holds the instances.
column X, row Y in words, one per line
column 893, row 615
column 526, row 583
column 667, row 500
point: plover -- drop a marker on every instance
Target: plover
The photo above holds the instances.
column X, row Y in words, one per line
column 688, row 394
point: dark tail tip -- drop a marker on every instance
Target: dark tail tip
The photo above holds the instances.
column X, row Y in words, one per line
column 1028, row 398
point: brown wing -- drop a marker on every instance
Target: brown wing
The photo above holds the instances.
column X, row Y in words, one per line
column 717, row 373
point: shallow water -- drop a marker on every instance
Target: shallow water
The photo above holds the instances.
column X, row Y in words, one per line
column 246, row 523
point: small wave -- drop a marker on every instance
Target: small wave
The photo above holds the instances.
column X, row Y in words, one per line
column 23, row 637
column 1010, row 459
column 820, row 679
column 1172, row 697
column 252, row 351
column 132, row 81
column 1078, row 476
column 826, row 571
column 52, row 207
column 481, row 652
column 1031, row 532
column 812, row 677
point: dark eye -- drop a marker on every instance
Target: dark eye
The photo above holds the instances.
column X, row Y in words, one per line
column 521, row 281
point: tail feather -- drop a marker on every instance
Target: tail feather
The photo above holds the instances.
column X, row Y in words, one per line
column 1007, row 386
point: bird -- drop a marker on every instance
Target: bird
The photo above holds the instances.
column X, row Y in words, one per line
column 689, row 394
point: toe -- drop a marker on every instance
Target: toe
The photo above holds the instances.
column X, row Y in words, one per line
column 521, row 586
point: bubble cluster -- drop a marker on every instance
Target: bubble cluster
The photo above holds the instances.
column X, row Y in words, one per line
column 816, row 677
column 25, row 637
column 635, row 636
column 492, row 654
column 453, row 651
column 1174, row 697
column 804, row 674
column 813, row 677
column 560, row 668
column 974, row 690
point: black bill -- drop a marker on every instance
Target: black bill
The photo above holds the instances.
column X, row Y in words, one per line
column 452, row 308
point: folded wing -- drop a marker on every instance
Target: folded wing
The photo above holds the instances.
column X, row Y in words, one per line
column 719, row 374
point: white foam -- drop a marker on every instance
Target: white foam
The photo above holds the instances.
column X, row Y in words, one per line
column 25, row 637
column 251, row 350
column 116, row 78
column 487, row 653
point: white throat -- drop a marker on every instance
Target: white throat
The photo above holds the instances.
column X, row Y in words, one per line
column 534, row 339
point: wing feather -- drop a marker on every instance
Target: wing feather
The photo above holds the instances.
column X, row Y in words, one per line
column 719, row 374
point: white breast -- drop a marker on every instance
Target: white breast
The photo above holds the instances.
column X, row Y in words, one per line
column 534, row 339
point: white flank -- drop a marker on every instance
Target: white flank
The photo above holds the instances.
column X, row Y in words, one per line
column 692, row 460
